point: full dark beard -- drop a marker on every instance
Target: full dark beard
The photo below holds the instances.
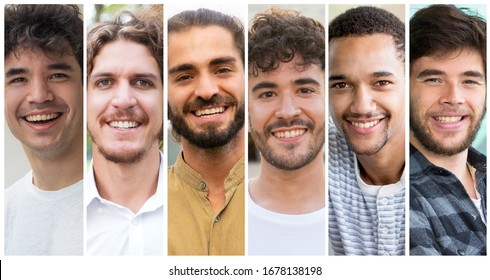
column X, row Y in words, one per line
column 424, row 136
column 211, row 137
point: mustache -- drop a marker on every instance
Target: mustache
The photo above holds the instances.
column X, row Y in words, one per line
column 288, row 123
column 130, row 113
column 368, row 115
column 51, row 106
column 215, row 100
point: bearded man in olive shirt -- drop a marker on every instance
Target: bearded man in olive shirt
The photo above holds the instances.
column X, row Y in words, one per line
column 206, row 109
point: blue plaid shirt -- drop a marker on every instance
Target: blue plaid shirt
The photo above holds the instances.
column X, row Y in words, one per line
column 443, row 218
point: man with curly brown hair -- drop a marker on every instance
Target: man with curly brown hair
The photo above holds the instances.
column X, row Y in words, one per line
column 287, row 122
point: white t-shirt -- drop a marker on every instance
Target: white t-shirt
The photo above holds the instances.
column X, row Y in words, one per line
column 39, row 222
column 113, row 229
column 271, row 233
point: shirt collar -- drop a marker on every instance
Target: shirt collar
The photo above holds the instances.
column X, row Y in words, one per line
column 193, row 179
column 154, row 202
column 419, row 163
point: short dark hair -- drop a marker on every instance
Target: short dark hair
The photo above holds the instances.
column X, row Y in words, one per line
column 440, row 29
column 55, row 29
column 203, row 18
column 367, row 20
column 142, row 28
column 278, row 35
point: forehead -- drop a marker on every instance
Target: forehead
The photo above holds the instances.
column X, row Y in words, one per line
column 364, row 53
column 28, row 58
column 200, row 45
column 290, row 71
column 457, row 62
column 125, row 55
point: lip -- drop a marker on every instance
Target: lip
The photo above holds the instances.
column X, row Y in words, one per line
column 46, row 119
column 449, row 122
column 209, row 114
column 364, row 126
column 289, row 134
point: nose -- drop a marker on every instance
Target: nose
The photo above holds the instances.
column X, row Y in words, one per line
column 287, row 108
column 124, row 96
column 40, row 92
column 452, row 95
column 363, row 102
column 206, row 87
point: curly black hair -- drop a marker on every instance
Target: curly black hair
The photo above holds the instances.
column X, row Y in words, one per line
column 367, row 20
column 277, row 36
column 56, row 29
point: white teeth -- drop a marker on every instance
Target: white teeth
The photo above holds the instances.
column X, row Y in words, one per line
column 365, row 124
column 209, row 112
column 123, row 124
column 448, row 119
column 43, row 117
column 290, row 133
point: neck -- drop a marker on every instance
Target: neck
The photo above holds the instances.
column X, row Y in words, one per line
column 56, row 173
column 215, row 164
column 123, row 183
column 290, row 191
column 386, row 166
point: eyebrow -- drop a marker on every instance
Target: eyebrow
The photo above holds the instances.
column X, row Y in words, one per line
column 336, row 77
column 475, row 74
column 15, row 71
column 60, row 66
column 433, row 72
column 264, row 85
column 189, row 66
column 136, row 75
column 221, row 60
column 430, row 72
column 54, row 66
column 306, row 81
column 380, row 74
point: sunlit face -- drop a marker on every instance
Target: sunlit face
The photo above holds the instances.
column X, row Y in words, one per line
column 205, row 86
column 125, row 102
column 287, row 114
column 447, row 100
column 366, row 91
column 44, row 102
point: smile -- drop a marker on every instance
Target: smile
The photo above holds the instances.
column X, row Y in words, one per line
column 289, row 133
column 42, row 118
column 365, row 124
column 445, row 119
column 209, row 112
column 124, row 124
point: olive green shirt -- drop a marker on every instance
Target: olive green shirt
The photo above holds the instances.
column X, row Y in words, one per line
column 193, row 227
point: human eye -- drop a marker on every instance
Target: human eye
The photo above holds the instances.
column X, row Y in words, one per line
column 433, row 80
column 104, row 83
column 266, row 95
column 183, row 77
column 143, row 83
column 223, row 70
column 305, row 91
column 339, row 85
column 383, row 83
column 471, row 82
column 17, row 80
column 58, row 77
